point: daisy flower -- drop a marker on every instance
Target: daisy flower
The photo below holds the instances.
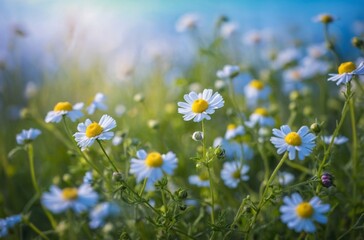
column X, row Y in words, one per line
column 89, row 131
column 260, row 117
column 152, row 166
column 97, row 103
column 64, row 109
column 189, row 21
column 234, row 172
column 228, row 29
column 78, row 199
column 234, row 131
column 201, row 180
column 256, row 90
column 338, row 140
column 324, row 18
column 199, row 106
column 101, row 212
column 286, row 140
column 299, row 215
column 7, row 223
column 285, row 178
column 229, row 71
column 346, row 71
column 27, row 136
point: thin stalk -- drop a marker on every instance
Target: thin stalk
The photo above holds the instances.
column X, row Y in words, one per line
column 35, row 229
column 335, row 134
column 330, row 44
column 143, row 186
column 262, row 199
column 107, row 156
column 32, row 170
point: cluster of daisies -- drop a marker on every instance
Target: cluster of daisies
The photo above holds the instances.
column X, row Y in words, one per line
column 152, row 166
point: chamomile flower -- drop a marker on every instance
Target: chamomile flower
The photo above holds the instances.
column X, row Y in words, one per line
column 152, row 166
column 97, row 103
column 89, row 131
column 347, row 71
column 64, row 109
column 254, row 91
column 301, row 141
column 78, row 199
column 300, row 215
column 338, row 140
column 228, row 29
column 324, row 18
column 201, row 180
column 260, row 117
column 285, row 178
column 27, row 136
column 234, row 131
column 229, row 71
column 199, row 106
column 101, row 212
column 233, row 173
column 7, row 223
column 189, row 21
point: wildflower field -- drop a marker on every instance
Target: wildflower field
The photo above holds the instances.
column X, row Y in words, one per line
column 219, row 132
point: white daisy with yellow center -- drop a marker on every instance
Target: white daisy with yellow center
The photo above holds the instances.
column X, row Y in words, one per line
column 301, row 141
column 233, row 131
column 346, row 71
column 199, row 106
column 64, row 109
column 299, row 215
column 256, row 90
column 152, row 166
column 201, row 180
column 89, row 131
column 260, row 117
column 233, row 173
column 78, row 199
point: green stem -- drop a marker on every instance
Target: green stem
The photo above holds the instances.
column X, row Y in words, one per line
column 143, row 186
column 299, row 167
column 32, row 170
column 355, row 138
column 35, row 229
column 335, row 134
column 330, row 44
column 107, row 156
column 262, row 199
column 212, row 196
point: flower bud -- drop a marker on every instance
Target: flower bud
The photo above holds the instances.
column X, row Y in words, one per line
column 357, row 42
column 182, row 194
column 153, row 124
column 219, row 152
column 139, row 97
column 315, row 127
column 117, row 177
column 197, row 136
column 327, row 180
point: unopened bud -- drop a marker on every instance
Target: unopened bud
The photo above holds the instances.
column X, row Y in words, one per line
column 315, row 127
column 327, row 180
column 139, row 97
column 197, row 136
column 219, row 152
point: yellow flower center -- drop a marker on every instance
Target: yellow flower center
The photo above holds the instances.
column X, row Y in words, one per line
column 326, row 18
column 231, row 126
column 261, row 111
column 236, row 174
column 204, row 176
column 154, row 159
column 69, row 194
column 346, row 67
column 199, row 106
column 62, row 106
column 93, row 130
column 257, row 84
column 304, row 210
column 293, row 139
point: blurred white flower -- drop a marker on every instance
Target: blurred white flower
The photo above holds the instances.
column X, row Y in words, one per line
column 97, row 103
column 229, row 71
column 189, row 21
column 27, row 136
column 233, row 173
column 229, row 29
column 338, row 140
